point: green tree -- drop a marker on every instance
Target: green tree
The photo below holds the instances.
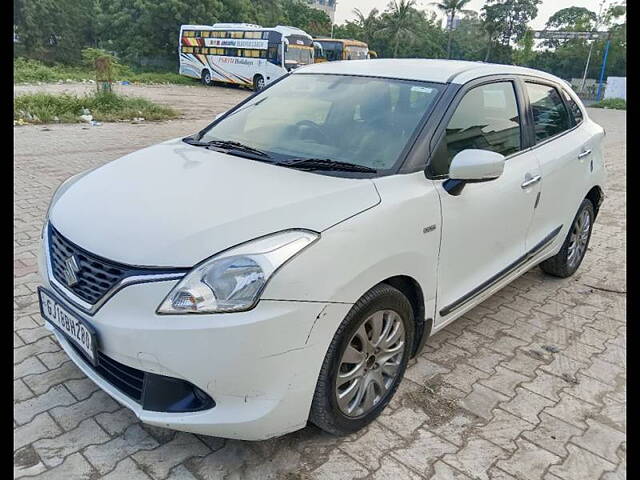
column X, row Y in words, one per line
column 369, row 24
column 398, row 22
column 146, row 32
column 572, row 19
column 54, row 30
column 450, row 8
column 524, row 54
column 299, row 14
column 470, row 39
column 506, row 22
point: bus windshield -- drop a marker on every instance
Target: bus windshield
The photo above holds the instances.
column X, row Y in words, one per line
column 332, row 50
column 359, row 120
column 296, row 55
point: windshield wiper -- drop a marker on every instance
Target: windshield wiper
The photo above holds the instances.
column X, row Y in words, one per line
column 227, row 145
column 325, row 164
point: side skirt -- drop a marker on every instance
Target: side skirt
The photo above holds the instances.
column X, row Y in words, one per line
column 466, row 298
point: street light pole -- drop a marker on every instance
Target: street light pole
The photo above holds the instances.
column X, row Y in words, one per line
column 604, row 66
column 332, row 17
column 586, row 67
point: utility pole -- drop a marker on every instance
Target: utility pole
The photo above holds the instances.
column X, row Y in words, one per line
column 334, row 9
column 586, row 67
column 604, row 66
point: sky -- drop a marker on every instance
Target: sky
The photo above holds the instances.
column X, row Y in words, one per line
column 344, row 8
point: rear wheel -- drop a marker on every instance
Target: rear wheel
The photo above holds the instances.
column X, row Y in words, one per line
column 365, row 362
column 206, row 78
column 258, row 83
column 568, row 259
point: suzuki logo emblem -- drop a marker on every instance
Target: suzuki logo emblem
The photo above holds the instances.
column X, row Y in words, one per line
column 71, row 270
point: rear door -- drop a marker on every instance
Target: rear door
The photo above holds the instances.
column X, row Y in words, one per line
column 562, row 148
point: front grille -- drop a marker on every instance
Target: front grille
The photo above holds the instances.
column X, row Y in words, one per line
column 157, row 393
column 96, row 276
column 128, row 380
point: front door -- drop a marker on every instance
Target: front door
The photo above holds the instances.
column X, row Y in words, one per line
column 485, row 227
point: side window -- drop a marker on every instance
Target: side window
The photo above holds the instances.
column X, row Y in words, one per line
column 573, row 106
column 550, row 116
column 487, row 119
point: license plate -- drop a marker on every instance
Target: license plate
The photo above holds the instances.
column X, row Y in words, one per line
column 73, row 328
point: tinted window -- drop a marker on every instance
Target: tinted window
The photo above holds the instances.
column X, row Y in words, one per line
column 487, row 119
column 550, row 116
column 573, row 107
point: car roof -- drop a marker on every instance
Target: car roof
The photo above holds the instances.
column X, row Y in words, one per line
column 428, row 70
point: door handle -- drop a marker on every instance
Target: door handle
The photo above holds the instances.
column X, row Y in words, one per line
column 531, row 181
column 584, row 154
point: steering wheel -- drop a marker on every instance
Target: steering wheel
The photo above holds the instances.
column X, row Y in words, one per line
column 316, row 128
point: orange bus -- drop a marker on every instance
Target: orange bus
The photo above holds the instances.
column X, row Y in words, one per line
column 332, row 49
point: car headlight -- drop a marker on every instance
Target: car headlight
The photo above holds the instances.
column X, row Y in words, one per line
column 233, row 280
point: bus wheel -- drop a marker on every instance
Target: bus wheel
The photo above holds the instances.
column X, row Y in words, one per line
column 258, row 82
column 206, row 78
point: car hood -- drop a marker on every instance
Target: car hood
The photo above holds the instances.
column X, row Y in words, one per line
column 174, row 204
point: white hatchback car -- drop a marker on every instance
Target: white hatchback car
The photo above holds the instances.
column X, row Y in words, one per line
column 282, row 265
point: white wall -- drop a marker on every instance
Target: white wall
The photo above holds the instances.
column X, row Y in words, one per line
column 616, row 88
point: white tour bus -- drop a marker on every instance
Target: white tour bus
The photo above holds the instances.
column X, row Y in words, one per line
column 241, row 53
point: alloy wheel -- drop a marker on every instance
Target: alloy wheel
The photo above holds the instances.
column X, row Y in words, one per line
column 579, row 238
column 370, row 363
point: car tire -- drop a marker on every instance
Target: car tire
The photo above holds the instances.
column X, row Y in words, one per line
column 206, row 78
column 384, row 304
column 567, row 260
column 258, row 83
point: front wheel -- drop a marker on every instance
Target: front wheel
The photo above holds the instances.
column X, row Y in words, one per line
column 365, row 362
column 568, row 259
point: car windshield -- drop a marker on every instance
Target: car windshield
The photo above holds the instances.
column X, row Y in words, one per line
column 358, row 120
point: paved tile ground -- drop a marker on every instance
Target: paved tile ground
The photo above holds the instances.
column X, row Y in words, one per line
column 528, row 385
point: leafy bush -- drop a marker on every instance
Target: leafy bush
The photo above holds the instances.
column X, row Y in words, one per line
column 108, row 107
column 90, row 55
column 612, row 103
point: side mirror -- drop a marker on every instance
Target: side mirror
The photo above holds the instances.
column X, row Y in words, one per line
column 472, row 166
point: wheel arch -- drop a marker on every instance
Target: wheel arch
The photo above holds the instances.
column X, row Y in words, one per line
column 596, row 196
column 411, row 289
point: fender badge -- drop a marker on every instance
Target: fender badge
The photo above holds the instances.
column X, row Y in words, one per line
column 428, row 229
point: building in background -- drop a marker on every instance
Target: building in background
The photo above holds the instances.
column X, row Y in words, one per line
column 327, row 6
column 447, row 20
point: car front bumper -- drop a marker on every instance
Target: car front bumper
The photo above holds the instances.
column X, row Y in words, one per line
column 260, row 366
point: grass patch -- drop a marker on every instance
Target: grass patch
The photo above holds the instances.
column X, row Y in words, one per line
column 104, row 107
column 612, row 103
column 32, row 71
